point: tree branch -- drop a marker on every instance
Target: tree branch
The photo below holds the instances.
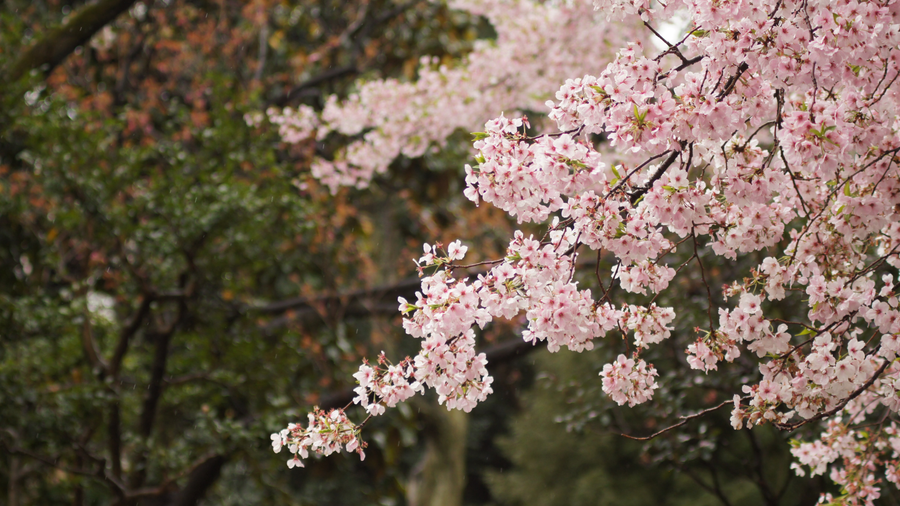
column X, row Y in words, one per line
column 656, row 175
column 401, row 288
column 353, row 303
column 57, row 44
column 155, row 387
column 684, row 420
column 114, row 433
column 202, row 477
column 99, row 474
column 324, row 77
column 127, row 332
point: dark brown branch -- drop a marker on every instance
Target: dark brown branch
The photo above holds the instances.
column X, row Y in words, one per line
column 126, row 334
column 299, row 90
column 114, row 423
column 100, row 474
column 509, row 350
column 155, row 387
column 732, row 81
column 201, row 478
column 201, row 475
column 717, row 485
column 705, row 486
column 59, row 43
column 366, row 302
column 683, row 420
column 123, row 79
column 668, row 44
column 709, row 299
column 114, row 433
column 685, row 64
column 399, row 289
column 654, row 177
column 354, row 33
column 758, row 459
column 379, row 300
column 625, row 179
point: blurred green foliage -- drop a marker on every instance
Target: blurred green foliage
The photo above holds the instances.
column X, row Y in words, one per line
column 143, row 224
column 553, row 462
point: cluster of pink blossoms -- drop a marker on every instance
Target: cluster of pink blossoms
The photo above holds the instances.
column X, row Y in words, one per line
column 769, row 127
column 326, row 433
column 384, row 387
column 538, row 45
column 857, row 459
column 627, row 380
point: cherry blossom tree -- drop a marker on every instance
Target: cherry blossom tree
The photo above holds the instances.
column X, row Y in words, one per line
column 767, row 132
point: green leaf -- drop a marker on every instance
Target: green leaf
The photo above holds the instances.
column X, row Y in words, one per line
column 638, row 115
column 577, row 163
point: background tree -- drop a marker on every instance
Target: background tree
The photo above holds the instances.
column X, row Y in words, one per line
column 168, row 282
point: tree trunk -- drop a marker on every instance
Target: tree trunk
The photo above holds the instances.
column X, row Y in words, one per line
column 440, row 478
column 13, row 495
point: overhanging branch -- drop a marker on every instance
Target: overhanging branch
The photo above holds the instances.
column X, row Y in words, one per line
column 59, row 43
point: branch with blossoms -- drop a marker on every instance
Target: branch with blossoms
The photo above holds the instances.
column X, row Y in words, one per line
column 326, row 433
column 771, row 137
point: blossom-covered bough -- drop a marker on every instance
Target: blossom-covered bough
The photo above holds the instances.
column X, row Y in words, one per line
column 772, row 128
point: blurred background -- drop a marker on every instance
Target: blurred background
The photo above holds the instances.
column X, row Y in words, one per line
column 174, row 287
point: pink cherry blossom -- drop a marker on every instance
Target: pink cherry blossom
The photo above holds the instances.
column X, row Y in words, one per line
column 769, row 133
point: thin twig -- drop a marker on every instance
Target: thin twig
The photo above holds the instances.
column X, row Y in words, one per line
column 684, row 420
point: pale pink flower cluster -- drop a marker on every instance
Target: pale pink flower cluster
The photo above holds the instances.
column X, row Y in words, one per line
column 326, row 433
column 443, row 316
column 627, row 380
column 381, row 387
column 643, row 275
column 529, row 280
column 744, row 323
column 454, row 371
column 538, row 45
column 678, row 203
column 772, row 128
column 527, row 180
column 294, row 125
column 857, row 457
column 649, row 324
